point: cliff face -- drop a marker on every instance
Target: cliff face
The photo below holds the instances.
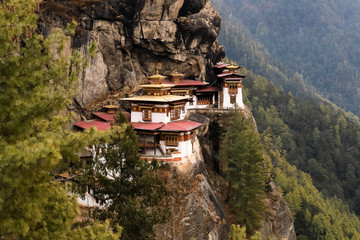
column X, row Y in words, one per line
column 197, row 211
column 278, row 222
column 134, row 37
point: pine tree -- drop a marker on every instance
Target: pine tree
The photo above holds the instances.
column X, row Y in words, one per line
column 35, row 84
column 126, row 187
column 247, row 171
column 239, row 233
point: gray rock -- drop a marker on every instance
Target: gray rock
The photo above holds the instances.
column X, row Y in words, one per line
column 135, row 37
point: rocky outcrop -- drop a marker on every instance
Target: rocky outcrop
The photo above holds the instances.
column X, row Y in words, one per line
column 133, row 38
column 197, row 211
column 278, row 223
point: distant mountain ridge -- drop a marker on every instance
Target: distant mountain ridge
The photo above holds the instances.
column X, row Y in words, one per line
column 319, row 40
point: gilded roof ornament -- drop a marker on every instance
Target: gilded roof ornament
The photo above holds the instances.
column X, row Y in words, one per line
column 157, row 78
column 232, row 66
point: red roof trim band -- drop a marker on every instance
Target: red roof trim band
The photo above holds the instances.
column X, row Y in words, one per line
column 180, row 126
column 99, row 125
column 208, row 89
column 230, row 74
column 177, row 126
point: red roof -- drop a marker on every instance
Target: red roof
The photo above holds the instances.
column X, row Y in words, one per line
column 177, row 126
column 180, row 126
column 186, row 83
column 146, row 126
column 110, row 117
column 105, row 116
column 99, row 125
column 230, row 74
column 208, row 89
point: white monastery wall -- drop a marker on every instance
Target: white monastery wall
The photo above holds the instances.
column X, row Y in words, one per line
column 226, row 99
column 136, row 116
column 160, row 117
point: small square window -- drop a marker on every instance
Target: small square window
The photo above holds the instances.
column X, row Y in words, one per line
column 171, row 140
column 146, row 113
column 175, row 113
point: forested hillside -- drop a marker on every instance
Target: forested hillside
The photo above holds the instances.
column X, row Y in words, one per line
column 319, row 40
column 321, row 140
column 241, row 47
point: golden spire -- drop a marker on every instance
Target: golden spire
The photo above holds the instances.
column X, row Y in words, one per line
column 157, row 78
column 232, row 65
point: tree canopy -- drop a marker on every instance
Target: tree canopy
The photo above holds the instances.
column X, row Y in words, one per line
column 319, row 139
column 126, row 187
column 247, row 171
column 35, row 84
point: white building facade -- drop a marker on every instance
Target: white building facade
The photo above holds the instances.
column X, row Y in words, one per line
column 159, row 119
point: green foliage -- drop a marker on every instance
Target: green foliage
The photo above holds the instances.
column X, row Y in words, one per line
column 316, row 217
column 247, row 171
column 321, row 140
column 127, row 187
column 92, row 49
column 97, row 231
column 239, row 45
column 35, row 85
column 239, row 233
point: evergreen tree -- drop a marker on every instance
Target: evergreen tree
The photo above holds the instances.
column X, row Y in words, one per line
column 315, row 138
column 126, row 187
column 34, row 86
column 239, row 233
column 247, row 171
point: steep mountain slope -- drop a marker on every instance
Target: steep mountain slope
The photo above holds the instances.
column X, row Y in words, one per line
column 331, row 161
column 247, row 51
column 320, row 140
column 317, row 39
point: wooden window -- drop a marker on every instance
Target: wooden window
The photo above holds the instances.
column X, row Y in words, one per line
column 146, row 140
column 233, row 88
column 204, row 99
column 175, row 113
column 146, row 113
column 171, row 140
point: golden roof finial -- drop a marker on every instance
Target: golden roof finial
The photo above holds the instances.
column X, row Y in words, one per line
column 157, row 78
column 233, row 65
